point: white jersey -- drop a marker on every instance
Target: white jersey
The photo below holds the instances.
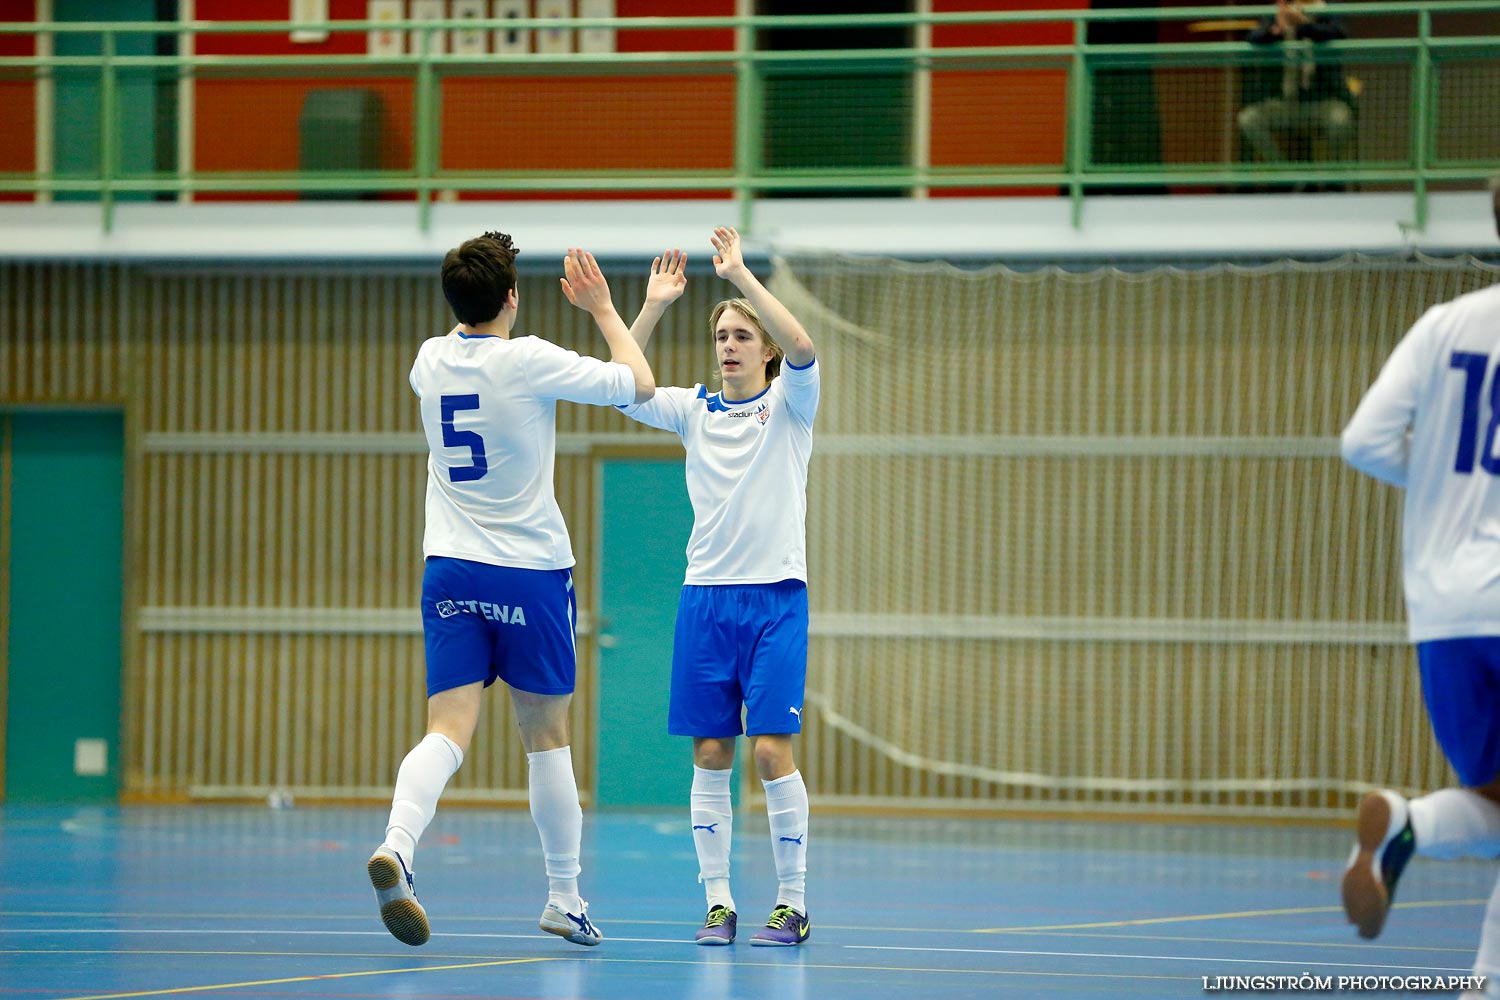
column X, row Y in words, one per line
column 489, row 410
column 1431, row 423
column 746, row 475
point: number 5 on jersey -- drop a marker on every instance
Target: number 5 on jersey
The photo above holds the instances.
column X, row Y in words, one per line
column 454, row 438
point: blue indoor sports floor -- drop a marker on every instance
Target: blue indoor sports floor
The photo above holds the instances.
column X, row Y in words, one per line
column 239, row 901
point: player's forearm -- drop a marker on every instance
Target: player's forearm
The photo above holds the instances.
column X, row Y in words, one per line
column 624, row 350
column 645, row 322
column 778, row 319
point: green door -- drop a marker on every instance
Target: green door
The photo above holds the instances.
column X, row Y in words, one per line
column 65, row 485
column 645, row 522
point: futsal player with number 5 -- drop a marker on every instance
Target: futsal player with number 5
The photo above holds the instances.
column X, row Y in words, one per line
column 497, row 590
column 1431, row 425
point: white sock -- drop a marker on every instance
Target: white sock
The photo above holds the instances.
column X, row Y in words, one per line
column 786, row 805
column 1487, row 962
column 713, row 827
column 559, row 820
column 1456, row 823
column 420, row 781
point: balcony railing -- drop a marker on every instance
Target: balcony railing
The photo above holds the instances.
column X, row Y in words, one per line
column 1004, row 104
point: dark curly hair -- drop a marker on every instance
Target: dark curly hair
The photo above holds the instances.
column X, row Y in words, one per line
column 478, row 276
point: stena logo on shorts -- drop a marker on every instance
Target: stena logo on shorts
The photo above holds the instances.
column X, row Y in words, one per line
column 505, row 613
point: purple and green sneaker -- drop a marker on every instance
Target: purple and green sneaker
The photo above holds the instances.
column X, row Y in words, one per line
column 784, row 928
column 718, row 927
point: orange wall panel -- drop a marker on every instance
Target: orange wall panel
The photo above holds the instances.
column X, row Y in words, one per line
column 18, row 123
column 999, row 118
column 251, row 124
column 600, row 123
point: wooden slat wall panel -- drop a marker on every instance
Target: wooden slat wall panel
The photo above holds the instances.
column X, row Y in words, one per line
column 297, row 354
column 285, row 352
column 63, row 335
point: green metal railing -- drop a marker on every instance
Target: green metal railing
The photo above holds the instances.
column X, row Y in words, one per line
column 1410, row 115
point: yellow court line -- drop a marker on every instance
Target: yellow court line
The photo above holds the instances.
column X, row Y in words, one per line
column 220, row 952
column 309, row 979
column 1188, row 918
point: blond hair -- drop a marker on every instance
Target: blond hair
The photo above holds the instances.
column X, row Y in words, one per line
column 745, row 309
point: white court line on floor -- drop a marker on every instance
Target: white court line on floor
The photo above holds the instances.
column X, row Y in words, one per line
column 1154, row 958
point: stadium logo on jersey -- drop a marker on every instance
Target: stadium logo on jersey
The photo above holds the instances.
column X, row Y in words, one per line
column 446, row 609
column 738, row 413
column 763, row 413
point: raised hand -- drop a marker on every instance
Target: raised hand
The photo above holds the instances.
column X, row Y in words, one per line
column 668, row 278
column 729, row 262
column 584, row 284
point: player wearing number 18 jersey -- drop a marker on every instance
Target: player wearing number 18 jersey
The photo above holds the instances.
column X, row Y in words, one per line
column 1431, row 424
column 497, row 590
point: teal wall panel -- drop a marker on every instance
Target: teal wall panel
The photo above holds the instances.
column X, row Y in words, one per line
column 643, row 551
column 67, row 488
column 79, row 95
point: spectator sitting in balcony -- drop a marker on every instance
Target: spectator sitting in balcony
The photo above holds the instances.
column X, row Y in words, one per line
column 1305, row 101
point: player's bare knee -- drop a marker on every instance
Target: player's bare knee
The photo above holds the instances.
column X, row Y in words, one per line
column 713, row 754
column 773, row 757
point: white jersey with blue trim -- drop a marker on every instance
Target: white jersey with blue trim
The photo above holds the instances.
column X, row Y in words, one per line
column 1430, row 423
column 489, row 410
column 746, row 475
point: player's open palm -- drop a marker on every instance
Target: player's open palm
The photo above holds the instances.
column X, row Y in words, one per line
column 668, row 278
column 584, row 283
column 729, row 261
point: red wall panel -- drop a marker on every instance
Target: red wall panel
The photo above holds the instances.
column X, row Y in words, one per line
column 17, row 103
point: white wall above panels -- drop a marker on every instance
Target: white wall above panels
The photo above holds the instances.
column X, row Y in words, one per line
column 1120, row 227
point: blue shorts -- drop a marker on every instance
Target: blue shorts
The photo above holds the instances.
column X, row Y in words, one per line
column 481, row 622
column 739, row 645
column 1461, row 683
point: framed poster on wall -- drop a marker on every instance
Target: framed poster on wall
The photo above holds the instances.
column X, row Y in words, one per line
column 385, row 42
